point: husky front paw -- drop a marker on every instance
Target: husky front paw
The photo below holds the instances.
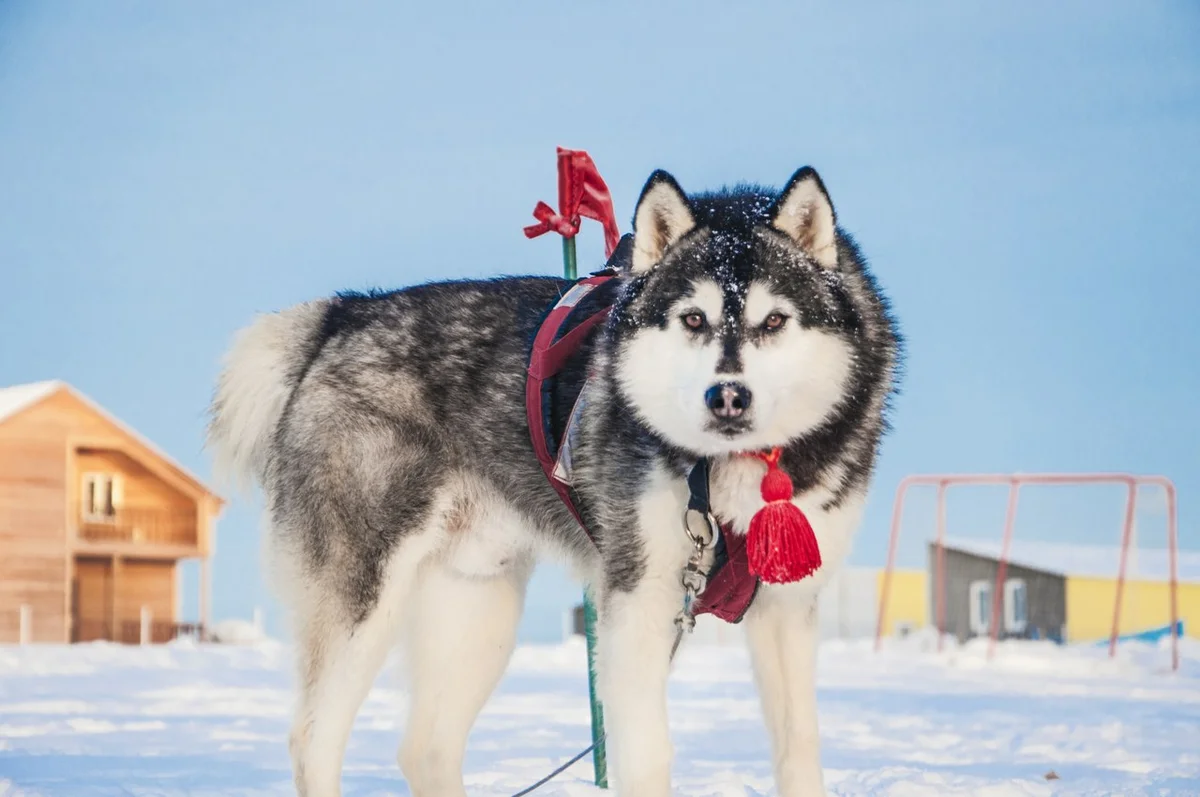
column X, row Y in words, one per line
column 800, row 782
column 646, row 784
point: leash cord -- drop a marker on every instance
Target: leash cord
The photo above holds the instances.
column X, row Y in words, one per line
column 564, row 767
column 557, row 772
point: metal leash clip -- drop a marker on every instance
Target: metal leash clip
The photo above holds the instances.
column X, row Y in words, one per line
column 700, row 528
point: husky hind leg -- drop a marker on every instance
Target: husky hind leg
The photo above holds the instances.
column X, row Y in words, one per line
column 355, row 501
column 458, row 643
column 339, row 659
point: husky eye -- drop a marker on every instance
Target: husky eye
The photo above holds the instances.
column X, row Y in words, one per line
column 695, row 321
column 774, row 321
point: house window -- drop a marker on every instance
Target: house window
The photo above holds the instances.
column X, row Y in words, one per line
column 980, row 610
column 1016, row 605
column 101, row 496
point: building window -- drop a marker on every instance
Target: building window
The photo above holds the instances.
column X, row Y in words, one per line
column 101, row 497
column 980, row 612
column 1016, row 605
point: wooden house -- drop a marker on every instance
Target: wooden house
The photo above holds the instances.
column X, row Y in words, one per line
column 94, row 521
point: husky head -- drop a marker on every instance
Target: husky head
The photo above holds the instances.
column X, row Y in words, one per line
column 737, row 326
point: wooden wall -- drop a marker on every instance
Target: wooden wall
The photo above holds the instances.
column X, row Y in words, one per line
column 143, row 489
column 1046, row 595
column 33, row 538
column 163, row 512
column 93, row 599
column 110, row 592
column 146, row 583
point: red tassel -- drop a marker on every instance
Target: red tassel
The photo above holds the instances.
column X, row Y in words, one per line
column 781, row 545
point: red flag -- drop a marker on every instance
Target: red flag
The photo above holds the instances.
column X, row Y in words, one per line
column 581, row 192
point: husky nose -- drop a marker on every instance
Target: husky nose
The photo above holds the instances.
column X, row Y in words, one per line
column 727, row 400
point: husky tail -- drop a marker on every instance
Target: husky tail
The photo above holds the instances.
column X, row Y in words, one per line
column 261, row 369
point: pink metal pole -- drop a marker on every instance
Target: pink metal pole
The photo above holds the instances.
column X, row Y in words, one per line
column 940, row 586
column 886, row 587
column 932, row 479
column 1126, row 536
column 1010, row 517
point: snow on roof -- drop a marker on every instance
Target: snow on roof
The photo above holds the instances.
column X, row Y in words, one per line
column 18, row 397
column 1100, row 561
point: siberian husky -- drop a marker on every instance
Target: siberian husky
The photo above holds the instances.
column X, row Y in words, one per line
column 406, row 506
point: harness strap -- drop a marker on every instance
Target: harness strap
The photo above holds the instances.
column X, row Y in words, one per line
column 549, row 362
column 730, row 587
column 697, row 482
column 545, row 361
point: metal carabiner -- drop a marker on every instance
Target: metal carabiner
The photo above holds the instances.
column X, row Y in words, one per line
column 700, row 527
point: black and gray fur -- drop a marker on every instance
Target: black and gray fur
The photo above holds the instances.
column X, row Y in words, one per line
column 370, row 418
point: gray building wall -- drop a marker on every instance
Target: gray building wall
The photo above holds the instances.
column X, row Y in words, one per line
column 1046, row 595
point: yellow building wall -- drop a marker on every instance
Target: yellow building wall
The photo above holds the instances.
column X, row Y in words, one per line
column 1145, row 605
column 908, row 601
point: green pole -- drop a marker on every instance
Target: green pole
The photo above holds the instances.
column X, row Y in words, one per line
column 570, row 271
column 599, row 757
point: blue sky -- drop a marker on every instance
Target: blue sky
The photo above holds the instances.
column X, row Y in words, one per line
column 1023, row 177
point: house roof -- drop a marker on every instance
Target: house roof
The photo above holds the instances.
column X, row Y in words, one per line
column 19, row 397
column 1099, row 561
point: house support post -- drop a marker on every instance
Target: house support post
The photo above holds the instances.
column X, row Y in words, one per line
column 25, row 634
column 115, row 632
column 204, row 596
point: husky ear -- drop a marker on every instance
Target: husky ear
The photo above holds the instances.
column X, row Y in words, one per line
column 663, row 216
column 804, row 213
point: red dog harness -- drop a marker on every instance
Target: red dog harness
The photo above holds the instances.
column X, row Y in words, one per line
column 730, row 586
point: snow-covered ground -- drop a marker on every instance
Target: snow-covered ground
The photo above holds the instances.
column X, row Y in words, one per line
column 212, row 720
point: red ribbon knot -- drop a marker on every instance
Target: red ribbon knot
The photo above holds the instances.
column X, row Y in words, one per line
column 582, row 192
